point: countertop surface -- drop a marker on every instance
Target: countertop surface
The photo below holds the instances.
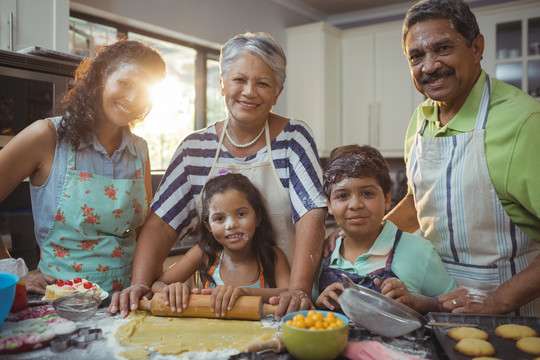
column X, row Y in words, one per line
column 421, row 343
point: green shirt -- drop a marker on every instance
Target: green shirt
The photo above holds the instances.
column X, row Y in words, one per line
column 415, row 262
column 512, row 145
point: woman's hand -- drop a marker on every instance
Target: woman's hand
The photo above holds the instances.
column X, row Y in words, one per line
column 36, row 282
column 395, row 289
column 330, row 242
column 130, row 295
column 175, row 295
column 223, row 299
column 329, row 297
column 290, row 301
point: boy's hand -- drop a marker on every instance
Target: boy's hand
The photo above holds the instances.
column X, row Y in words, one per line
column 395, row 289
column 329, row 298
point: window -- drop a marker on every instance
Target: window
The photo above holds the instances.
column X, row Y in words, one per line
column 182, row 103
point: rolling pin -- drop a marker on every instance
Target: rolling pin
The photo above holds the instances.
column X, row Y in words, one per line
column 245, row 308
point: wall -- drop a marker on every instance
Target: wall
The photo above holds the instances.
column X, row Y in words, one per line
column 213, row 21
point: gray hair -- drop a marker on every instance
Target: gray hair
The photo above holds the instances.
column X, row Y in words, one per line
column 259, row 44
column 457, row 11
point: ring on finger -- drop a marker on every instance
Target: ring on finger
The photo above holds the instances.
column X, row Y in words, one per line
column 454, row 302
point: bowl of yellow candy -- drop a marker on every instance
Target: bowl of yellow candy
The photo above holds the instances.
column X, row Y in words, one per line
column 315, row 334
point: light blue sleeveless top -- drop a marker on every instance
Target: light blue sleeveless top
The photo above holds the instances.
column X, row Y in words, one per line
column 91, row 158
column 217, row 277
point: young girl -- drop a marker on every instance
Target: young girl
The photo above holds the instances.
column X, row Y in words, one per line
column 89, row 175
column 236, row 252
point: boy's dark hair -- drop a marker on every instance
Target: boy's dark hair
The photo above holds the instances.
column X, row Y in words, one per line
column 263, row 239
column 84, row 101
column 354, row 161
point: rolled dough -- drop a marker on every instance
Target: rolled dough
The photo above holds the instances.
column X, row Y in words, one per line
column 168, row 335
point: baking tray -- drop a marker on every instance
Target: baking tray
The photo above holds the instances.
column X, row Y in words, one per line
column 504, row 348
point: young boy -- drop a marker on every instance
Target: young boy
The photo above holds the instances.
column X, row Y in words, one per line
column 374, row 253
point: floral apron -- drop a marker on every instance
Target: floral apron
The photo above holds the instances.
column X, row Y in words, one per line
column 264, row 175
column 460, row 212
column 93, row 233
column 331, row 275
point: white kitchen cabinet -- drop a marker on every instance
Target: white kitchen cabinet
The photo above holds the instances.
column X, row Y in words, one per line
column 314, row 81
column 43, row 23
column 378, row 94
column 512, row 44
column 351, row 86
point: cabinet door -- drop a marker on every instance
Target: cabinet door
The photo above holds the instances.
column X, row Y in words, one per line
column 512, row 45
column 396, row 96
column 358, row 83
column 313, row 81
column 378, row 94
column 42, row 23
column 8, row 12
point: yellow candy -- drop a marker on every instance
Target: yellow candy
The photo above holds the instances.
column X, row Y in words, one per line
column 316, row 321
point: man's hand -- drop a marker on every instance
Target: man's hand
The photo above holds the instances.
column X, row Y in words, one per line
column 469, row 300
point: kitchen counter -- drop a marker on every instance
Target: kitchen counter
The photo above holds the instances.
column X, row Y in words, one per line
column 420, row 343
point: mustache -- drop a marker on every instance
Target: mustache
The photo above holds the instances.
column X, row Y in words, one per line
column 436, row 75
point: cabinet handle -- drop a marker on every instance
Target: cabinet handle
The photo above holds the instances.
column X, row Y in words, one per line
column 11, row 31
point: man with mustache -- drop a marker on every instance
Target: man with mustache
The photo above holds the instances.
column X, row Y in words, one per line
column 474, row 182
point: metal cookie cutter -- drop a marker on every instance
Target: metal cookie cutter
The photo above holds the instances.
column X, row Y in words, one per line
column 78, row 339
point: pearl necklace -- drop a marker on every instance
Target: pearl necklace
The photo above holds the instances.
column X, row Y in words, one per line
column 246, row 144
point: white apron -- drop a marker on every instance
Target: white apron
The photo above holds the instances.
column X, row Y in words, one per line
column 264, row 175
column 460, row 213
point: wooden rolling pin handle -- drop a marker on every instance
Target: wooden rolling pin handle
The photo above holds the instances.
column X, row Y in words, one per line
column 275, row 343
column 269, row 309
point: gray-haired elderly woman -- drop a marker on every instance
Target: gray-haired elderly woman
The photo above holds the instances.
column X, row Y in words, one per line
column 277, row 154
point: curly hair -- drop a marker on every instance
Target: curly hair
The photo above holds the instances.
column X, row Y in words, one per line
column 354, row 161
column 81, row 107
column 263, row 239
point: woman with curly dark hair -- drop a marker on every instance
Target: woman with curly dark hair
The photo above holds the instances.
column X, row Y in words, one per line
column 236, row 252
column 89, row 175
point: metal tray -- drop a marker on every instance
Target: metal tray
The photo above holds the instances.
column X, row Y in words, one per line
column 504, row 349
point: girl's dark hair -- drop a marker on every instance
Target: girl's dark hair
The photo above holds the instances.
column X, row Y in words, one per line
column 354, row 161
column 81, row 107
column 457, row 11
column 263, row 239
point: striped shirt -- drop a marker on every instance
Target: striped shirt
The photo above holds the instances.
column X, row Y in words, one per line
column 295, row 158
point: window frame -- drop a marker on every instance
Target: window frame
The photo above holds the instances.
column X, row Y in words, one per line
column 204, row 53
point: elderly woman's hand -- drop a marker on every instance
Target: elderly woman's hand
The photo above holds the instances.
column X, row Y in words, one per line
column 290, row 301
column 131, row 295
column 330, row 242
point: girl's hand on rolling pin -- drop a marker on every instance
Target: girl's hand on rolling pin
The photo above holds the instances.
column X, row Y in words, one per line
column 223, row 299
column 176, row 295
